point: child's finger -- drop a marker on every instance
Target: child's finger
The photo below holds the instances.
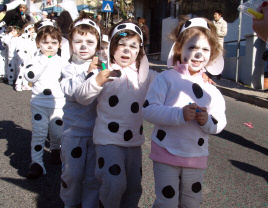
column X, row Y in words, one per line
column 95, row 59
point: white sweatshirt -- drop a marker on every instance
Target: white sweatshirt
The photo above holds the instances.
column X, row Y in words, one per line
column 119, row 111
column 45, row 74
column 166, row 97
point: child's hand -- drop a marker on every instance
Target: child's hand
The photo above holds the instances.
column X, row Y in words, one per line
column 104, row 76
column 207, row 79
column 202, row 116
column 189, row 112
column 96, row 63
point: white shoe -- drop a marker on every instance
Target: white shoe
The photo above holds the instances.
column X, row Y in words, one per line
column 26, row 87
column 18, row 88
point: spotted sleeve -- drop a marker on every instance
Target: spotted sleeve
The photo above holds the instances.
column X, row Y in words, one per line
column 216, row 118
column 154, row 108
column 35, row 67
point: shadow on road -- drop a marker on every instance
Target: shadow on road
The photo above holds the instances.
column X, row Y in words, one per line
column 250, row 169
column 232, row 137
column 19, row 151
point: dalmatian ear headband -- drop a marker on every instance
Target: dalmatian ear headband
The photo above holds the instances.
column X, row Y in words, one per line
column 128, row 26
column 90, row 23
column 26, row 29
column 217, row 65
column 47, row 23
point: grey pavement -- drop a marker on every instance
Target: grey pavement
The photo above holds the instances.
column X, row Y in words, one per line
column 228, row 87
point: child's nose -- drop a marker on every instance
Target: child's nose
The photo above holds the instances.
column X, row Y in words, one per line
column 82, row 47
column 198, row 55
column 126, row 50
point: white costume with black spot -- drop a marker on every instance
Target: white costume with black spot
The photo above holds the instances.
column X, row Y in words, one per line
column 78, row 182
column 3, row 53
column 46, row 103
column 24, row 50
column 12, row 68
column 174, row 140
column 118, row 134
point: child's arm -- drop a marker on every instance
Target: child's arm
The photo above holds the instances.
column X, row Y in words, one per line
column 71, row 80
column 156, row 111
column 86, row 93
column 35, row 67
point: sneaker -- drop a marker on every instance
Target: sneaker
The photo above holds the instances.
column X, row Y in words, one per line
column 18, row 88
column 10, row 82
column 35, row 171
column 55, row 156
column 26, row 87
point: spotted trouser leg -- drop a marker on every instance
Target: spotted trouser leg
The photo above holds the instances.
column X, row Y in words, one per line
column 177, row 187
column 43, row 120
column 119, row 171
column 78, row 182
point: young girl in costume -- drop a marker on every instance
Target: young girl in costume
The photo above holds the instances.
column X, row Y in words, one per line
column 44, row 71
column 78, row 182
column 118, row 132
column 104, row 49
column 185, row 111
column 24, row 50
column 10, row 39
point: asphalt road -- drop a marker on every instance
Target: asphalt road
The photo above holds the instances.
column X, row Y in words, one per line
column 237, row 174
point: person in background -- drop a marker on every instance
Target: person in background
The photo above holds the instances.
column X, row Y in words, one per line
column 17, row 17
column 67, row 16
column 100, row 21
column 44, row 15
column 221, row 25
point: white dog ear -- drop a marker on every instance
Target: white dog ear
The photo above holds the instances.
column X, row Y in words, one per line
column 216, row 66
column 170, row 57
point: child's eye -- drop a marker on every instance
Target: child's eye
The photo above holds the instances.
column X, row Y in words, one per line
column 134, row 47
column 206, row 49
column 193, row 48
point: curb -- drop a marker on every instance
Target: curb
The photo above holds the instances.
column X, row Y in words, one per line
column 243, row 97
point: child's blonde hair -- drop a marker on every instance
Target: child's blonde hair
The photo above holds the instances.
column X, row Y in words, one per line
column 83, row 29
column 181, row 38
column 129, row 33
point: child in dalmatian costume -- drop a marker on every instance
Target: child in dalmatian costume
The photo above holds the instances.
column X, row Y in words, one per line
column 44, row 71
column 185, row 111
column 3, row 52
column 118, row 132
column 78, row 182
column 25, row 49
column 10, row 40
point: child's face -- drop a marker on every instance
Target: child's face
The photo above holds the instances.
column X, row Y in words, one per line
column 14, row 33
column 84, row 46
column 127, row 51
column 49, row 46
column 196, row 53
column 104, row 50
column 31, row 32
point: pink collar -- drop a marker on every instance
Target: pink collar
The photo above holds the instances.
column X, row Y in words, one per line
column 183, row 69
